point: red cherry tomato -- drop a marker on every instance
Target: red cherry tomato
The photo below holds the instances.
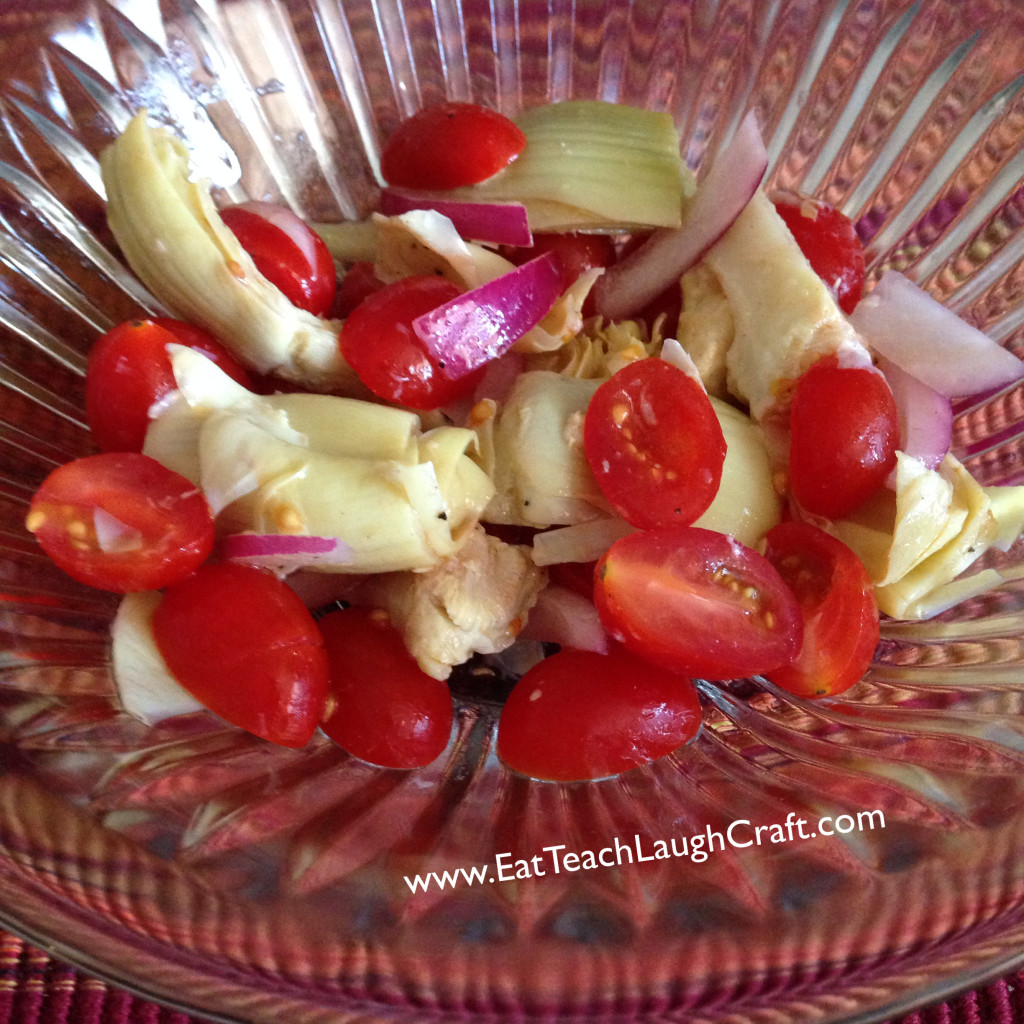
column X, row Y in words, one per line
column 129, row 369
column 840, row 613
column 577, row 253
column 575, row 576
column 381, row 706
column 654, row 444
column 241, row 642
column 287, row 252
column 450, row 145
column 378, row 342
column 844, row 433
column 829, row 241
column 579, row 715
column 359, row 282
column 697, row 602
column 120, row 521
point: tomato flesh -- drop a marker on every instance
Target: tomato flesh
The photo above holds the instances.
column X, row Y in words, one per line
column 287, row 252
column 844, row 432
column 379, row 343
column 129, row 370
column 654, row 444
column 381, row 706
column 837, row 601
column 241, row 642
column 359, row 282
column 579, row 715
column 697, row 602
column 450, row 145
column 577, row 253
column 121, row 521
column 829, row 241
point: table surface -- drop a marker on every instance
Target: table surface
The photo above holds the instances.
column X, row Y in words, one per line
column 35, row 988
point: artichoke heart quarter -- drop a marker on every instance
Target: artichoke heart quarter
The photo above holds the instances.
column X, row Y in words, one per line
column 175, row 241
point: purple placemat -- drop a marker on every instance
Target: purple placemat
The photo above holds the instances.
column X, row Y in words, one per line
column 37, row 989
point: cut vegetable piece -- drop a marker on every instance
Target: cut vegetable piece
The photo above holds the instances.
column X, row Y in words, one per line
column 905, row 324
column 393, row 515
column 582, row 542
column 654, row 444
column 592, row 165
column 734, row 177
column 536, row 454
column 697, row 602
column 472, row 603
column 244, row 644
column 450, row 144
column 481, row 324
column 285, row 553
column 623, row 713
column 176, row 242
column 925, row 416
column 746, row 505
column 500, row 223
column 563, row 617
column 784, row 316
column 144, row 684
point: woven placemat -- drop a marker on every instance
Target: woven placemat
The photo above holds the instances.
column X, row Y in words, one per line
column 35, row 988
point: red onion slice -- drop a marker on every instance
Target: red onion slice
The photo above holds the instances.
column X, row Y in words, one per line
column 903, row 323
column 720, row 198
column 481, row 324
column 500, row 223
column 561, row 616
column 926, row 417
column 283, row 553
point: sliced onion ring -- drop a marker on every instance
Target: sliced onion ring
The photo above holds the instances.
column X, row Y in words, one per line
column 500, row 223
column 905, row 324
column 720, row 198
column 926, row 417
column 479, row 325
column 561, row 616
column 284, row 553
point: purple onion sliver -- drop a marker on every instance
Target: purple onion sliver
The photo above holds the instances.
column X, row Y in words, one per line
column 905, row 324
column 498, row 223
column 926, row 417
column 481, row 324
column 247, row 545
column 720, row 198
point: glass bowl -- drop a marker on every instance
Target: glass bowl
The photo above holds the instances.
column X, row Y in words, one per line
column 204, row 868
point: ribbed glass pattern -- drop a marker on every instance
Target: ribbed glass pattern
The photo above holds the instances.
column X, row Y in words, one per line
column 254, row 883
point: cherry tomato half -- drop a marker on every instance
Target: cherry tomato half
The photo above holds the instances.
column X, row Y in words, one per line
column 450, row 145
column 577, row 253
column 120, row 521
column 580, row 715
column 287, row 252
column 654, row 444
column 837, row 600
column 381, row 706
column 829, row 241
column 358, row 282
column 844, row 432
column 129, row 370
column 378, row 342
column 241, row 642
column 697, row 602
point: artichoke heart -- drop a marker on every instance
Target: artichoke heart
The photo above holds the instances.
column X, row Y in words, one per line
column 916, row 543
column 322, row 465
column 175, row 241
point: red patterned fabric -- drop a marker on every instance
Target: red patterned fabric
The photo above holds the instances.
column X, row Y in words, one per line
column 37, row 989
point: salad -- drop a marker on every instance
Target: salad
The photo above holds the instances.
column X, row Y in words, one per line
column 566, row 408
